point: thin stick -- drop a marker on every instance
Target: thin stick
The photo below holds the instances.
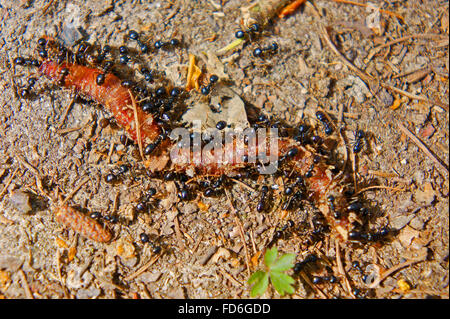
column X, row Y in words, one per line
column 377, row 49
column 409, row 37
column 36, row 173
column 58, row 267
column 380, row 187
column 364, row 76
column 25, row 285
column 8, row 182
column 116, row 200
column 45, row 8
column 66, row 111
column 422, row 146
column 252, row 237
column 353, row 116
column 342, row 270
column 392, row 270
column 428, row 292
column 340, row 114
column 141, row 270
column 111, row 150
column 87, row 179
column 243, row 184
column 314, row 287
column 353, row 158
column 231, row 278
column 138, row 127
column 241, row 232
column 416, row 97
column 371, row 6
column 178, row 233
column 70, row 129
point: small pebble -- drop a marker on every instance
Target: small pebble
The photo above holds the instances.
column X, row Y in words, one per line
column 21, row 201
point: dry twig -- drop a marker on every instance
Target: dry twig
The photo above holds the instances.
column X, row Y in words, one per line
column 423, row 147
column 241, row 232
column 138, row 126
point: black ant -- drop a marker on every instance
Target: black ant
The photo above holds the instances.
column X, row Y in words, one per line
column 133, row 35
column 206, row 89
column 279, row 233
column 152, row 146
column 323, row 119
column 254, row 28
column 369, row 236
column 184, row 193
column 109, row 218
column 336, row 213
column 260, row 206
column 148, row 74
column 143, row 203
column 359, row 141
column 302, row 134
column 113, row 178
column 317, row 280
column 258, row 52
column 310, row 259
column 145, row 239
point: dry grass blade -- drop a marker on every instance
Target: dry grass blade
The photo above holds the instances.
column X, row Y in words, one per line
column 341, row 269
column 241, row 232
column 144, row 267
column 138, row 126
column 368, row 5
column 423, row 147
column 416, row 97
column 7, row 183
column 394, row 269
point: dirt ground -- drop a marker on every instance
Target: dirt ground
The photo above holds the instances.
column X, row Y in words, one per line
column 384, row 73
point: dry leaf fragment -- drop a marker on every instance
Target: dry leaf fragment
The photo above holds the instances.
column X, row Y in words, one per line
column 5, row 279
column 202, row 206
column 396, row 104
column 194, row 73
column 71, row 253
column 304, row 70
column 220, row 253
column 407, row 235
column 61, row 243
column 427, row 195
column 403, row 285
column 427, row 131
column 215, row 66
column 125, row 249
column 254, row 261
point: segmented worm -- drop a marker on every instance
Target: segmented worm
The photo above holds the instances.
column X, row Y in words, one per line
column 111, row 94
column 320, row 182
column 82, row 224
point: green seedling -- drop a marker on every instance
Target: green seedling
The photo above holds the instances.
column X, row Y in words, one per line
column 275, row 272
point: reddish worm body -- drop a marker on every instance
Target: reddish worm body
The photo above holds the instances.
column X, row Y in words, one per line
column 118, row 101
column 111, row 94
column 82, row 224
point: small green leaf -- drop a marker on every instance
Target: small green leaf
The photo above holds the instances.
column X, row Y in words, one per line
column 285, row 262
column 270, row 256
column 282, row 282
column 256, row 277
column 261, row 282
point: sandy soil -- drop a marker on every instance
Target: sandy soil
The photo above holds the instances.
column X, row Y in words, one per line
column 394, row 87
